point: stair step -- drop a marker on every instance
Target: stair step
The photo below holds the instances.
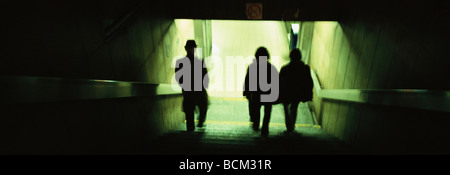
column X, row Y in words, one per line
column 239, row 139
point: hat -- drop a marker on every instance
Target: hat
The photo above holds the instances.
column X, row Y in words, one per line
column 190, row 44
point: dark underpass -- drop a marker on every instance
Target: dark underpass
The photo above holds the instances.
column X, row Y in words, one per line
column 98, row 77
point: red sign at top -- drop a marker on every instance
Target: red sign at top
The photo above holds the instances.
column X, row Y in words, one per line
column 254, row 10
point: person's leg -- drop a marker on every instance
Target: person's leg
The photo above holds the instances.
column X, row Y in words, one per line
column 190, row 124
column 287, row 117
column 293, row 115
column 189, row 108
column 265, row 127
column 203, row 108
column 251, row 111
column 255, row 114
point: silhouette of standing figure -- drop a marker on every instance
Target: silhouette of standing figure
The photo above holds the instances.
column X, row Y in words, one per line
column 295, row 87
column 254, row 95
column 192, row 76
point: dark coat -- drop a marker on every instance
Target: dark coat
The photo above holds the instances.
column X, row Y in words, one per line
column 296, row 84
column 256, row 95
column 191, row 97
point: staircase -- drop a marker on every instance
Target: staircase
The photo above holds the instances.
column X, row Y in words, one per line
column 237, row 138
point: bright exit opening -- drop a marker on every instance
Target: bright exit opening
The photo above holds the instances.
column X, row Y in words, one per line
column 232, row 44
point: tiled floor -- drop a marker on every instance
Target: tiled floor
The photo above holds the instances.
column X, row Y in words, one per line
column 235, row 111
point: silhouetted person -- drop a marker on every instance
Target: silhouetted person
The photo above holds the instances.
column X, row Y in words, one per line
column 254, row 94
column 295, row 87
column 192, row 76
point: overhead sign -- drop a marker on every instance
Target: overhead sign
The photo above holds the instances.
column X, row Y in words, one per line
column 254, row 10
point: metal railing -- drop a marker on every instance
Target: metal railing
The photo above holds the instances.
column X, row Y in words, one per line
column 29, row 89
column 411, row 98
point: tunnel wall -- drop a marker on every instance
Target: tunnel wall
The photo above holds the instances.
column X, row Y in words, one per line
column 70, row 40
column 365, row 52
column 379, row 55
column 108, row 126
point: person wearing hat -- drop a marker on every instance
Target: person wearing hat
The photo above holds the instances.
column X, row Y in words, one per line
column 192, row 76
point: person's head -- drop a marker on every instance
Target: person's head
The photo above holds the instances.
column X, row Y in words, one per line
column 190, row 47
column 262, row 51
column 295, row 55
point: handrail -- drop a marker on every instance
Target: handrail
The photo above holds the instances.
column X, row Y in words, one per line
column 29, row 89
column 410, row 98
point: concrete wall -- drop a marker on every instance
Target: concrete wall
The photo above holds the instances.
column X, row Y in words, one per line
column 305, row 39
column 203, row 36
column 386, row 56
column 70, row 40
column 109, row 126
column 365, row 52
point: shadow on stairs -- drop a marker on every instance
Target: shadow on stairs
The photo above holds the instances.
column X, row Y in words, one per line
column 234, row 139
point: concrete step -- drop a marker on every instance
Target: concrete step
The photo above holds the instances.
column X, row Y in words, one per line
column 220, row 139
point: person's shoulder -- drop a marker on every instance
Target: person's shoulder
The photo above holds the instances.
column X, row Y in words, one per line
column 300, row 65
column 253, row 63
column 288, row 66
column 285, row 67
column 306, row 66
